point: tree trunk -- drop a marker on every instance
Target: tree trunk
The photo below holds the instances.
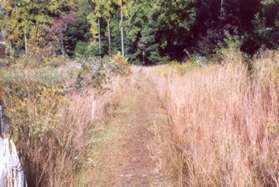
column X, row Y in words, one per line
column 143, row 57
column 109, row 38
column 25, row 43
column 11, row 50
column 62, row 46
column 100, row 42
column 122, row 31
column 221, row 8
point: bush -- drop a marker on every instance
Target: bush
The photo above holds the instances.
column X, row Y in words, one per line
column 44, row 125
column 230, row 51
column 46, row 76
column 97, row 72
column 85, row 50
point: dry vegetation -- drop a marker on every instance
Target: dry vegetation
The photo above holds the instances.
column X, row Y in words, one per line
column 225, row 121
column 45, row 130
column 52, row 121
column 216, row 125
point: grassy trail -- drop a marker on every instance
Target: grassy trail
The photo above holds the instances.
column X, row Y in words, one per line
column 128, row 150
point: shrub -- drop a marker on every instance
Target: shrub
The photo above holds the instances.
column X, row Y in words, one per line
column 118, row 59
column 45, row 126
column 85, row 50
column 97, row 72
column 230, row 52
column 47, row 75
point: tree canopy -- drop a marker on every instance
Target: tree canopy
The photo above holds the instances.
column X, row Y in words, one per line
column 147, row 32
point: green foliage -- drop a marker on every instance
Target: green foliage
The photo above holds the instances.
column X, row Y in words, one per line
column 29, row 20
column 153, row 32
column 98, row 72
column 85, row 50
column 76, row 33
column 159, row 29
column 230, row 51
column 266, row 24
column 44, row 101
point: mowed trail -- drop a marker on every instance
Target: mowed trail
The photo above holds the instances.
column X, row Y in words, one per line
column 128, row 151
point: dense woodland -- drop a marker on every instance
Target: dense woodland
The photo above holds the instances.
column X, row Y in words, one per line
column 146, row 32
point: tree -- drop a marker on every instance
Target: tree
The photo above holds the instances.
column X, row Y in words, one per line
column 122, row 28
column 107, row 13
column 161, row 29
column 95, row 21
column 58, row 29
column 265, row 28
column 141, row 29
column 145, row 31
column 27, row 20
column 15, row 22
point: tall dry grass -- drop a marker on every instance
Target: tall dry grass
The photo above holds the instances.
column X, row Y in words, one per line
column 226, row 123
column 52, row 122
column 52, row 134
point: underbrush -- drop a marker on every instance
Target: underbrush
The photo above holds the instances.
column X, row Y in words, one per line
column 44, row 75
column 176, row 68
column 224, row 118
column 52, row 121
column 225, row 122
column 98, row 72
column 51, row 144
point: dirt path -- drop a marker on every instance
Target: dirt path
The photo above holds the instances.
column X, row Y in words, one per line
column 127, row 152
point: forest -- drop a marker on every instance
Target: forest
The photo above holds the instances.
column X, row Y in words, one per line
column 124, row 93
column 145, row 32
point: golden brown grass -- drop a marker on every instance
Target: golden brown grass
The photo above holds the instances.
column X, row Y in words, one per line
column 226, row 123
column 223, row 119
column 51, row 132
column 52, row 122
